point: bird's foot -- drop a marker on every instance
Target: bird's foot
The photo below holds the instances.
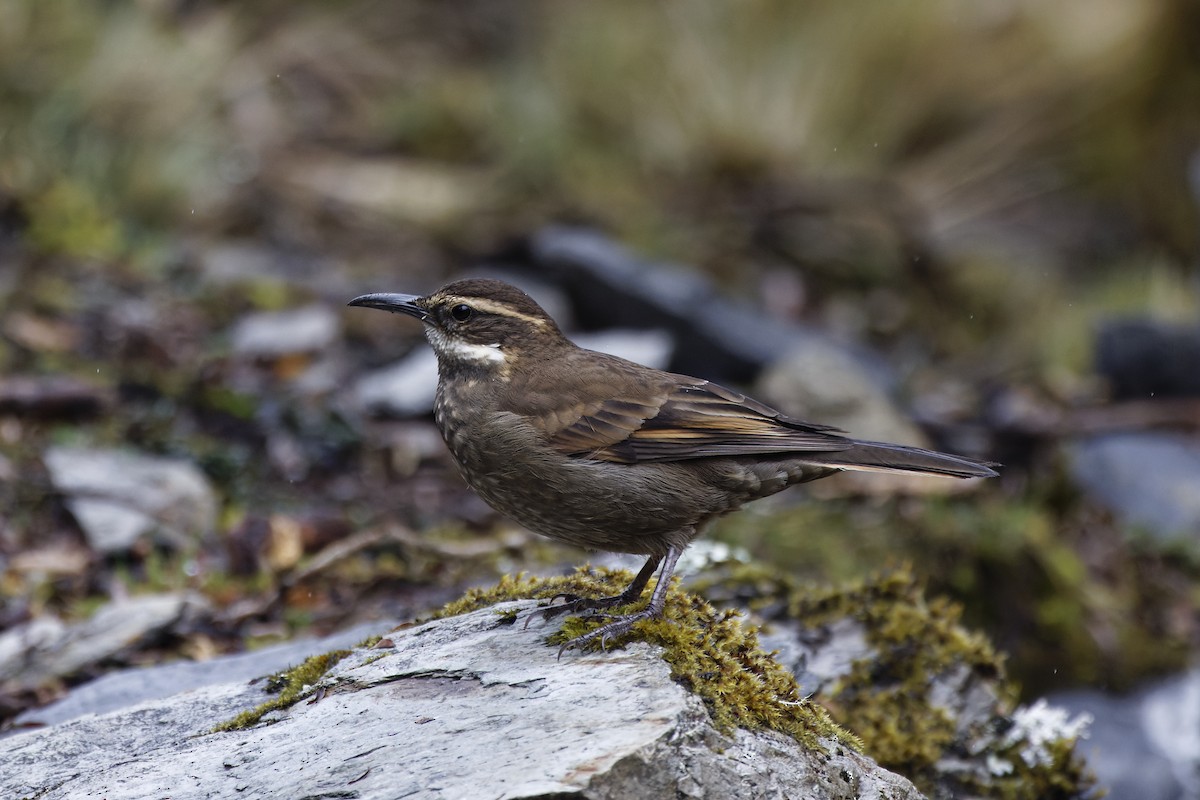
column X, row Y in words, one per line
column 619, row 626
column 574, row 604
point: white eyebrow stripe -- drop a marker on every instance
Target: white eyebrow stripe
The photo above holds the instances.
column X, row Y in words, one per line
column 492, row 307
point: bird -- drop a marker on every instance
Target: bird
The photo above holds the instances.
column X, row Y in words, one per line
column 596, row 451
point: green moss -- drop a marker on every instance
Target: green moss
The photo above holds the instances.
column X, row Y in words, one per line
column 889, row 699
column 68, row 219
column 289, row 687
column 709, row 651
column 1065, row 593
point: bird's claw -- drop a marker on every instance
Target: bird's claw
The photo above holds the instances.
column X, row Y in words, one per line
column 618, row 627
column 575, row 605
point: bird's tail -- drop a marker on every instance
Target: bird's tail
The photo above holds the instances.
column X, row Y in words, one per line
column 883, row 457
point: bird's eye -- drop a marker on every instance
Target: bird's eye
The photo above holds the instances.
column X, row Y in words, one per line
column 462, row 312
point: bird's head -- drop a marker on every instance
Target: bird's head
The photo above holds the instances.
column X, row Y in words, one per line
column 476, row 323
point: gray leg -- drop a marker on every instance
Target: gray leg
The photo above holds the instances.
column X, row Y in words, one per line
column 574, row 604
column 620, row 625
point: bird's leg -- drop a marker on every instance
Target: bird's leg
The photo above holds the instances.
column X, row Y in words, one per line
column 620, row 625
column 575, row 604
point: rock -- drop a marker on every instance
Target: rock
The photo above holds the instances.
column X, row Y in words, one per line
column 272, row 334
column 130, row 687
column 118, row 497
column 912, row 682
column 403, row 389
column 50, row 397
column 1148, row 479
column 820, row 380
column 21, row 644
column 650, row 347
column 425, row 192
column 46, row 648
column 1143, row 746
column 1144, row 358
column 469, row 706
column 824, row 656
column 235, row 262
column 819, row 657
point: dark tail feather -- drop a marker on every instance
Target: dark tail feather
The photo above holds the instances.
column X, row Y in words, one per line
column 883, row 457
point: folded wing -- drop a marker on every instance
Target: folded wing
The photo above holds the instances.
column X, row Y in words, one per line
column 693, row 420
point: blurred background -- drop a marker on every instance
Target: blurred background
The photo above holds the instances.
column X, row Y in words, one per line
column 969, row 224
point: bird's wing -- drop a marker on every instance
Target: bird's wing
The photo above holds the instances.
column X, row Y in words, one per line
column 683, row 419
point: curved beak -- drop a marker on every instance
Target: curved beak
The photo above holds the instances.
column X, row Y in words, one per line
column 395, row 303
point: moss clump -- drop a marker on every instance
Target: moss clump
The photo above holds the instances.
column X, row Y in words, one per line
column 887, row 698
column 709, row 651
column 289, row 687
column 891, row 699
column 1064, row 592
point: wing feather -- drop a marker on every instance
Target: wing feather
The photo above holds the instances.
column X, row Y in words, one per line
column 685, row 419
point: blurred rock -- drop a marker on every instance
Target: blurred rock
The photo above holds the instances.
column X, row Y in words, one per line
column 41, row 334
column 235, row 262
column 821, row 381
column 1149, row 480
column 46, row 648
column 1144, row 358
column 424, row 192
column 129, row 687
column 819, row 657
column 825, row 382
column 1143, row 746
column 404, row 389
column 822, row 657
column 119, row 497
column 323, row 375
column 610, row 287
column 21, row 645
column 57, row 561
column 271, row 334
column 652, row 348
column 50, row 397
column 458, row 707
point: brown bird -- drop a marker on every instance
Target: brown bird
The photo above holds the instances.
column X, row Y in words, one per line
column 600, row 452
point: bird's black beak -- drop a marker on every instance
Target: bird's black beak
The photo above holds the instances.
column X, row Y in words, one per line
column 396, row 303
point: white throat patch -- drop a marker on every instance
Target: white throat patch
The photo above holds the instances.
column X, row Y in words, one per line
column 465, row 351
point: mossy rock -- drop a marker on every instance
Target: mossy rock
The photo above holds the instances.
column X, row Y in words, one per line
column 893, row 705
column 932, row 701
column 289, row 687
column 709, row 651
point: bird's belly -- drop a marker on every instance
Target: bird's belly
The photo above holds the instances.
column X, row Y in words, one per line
column 620, row 507
column 632, row 508
column 595, row 505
